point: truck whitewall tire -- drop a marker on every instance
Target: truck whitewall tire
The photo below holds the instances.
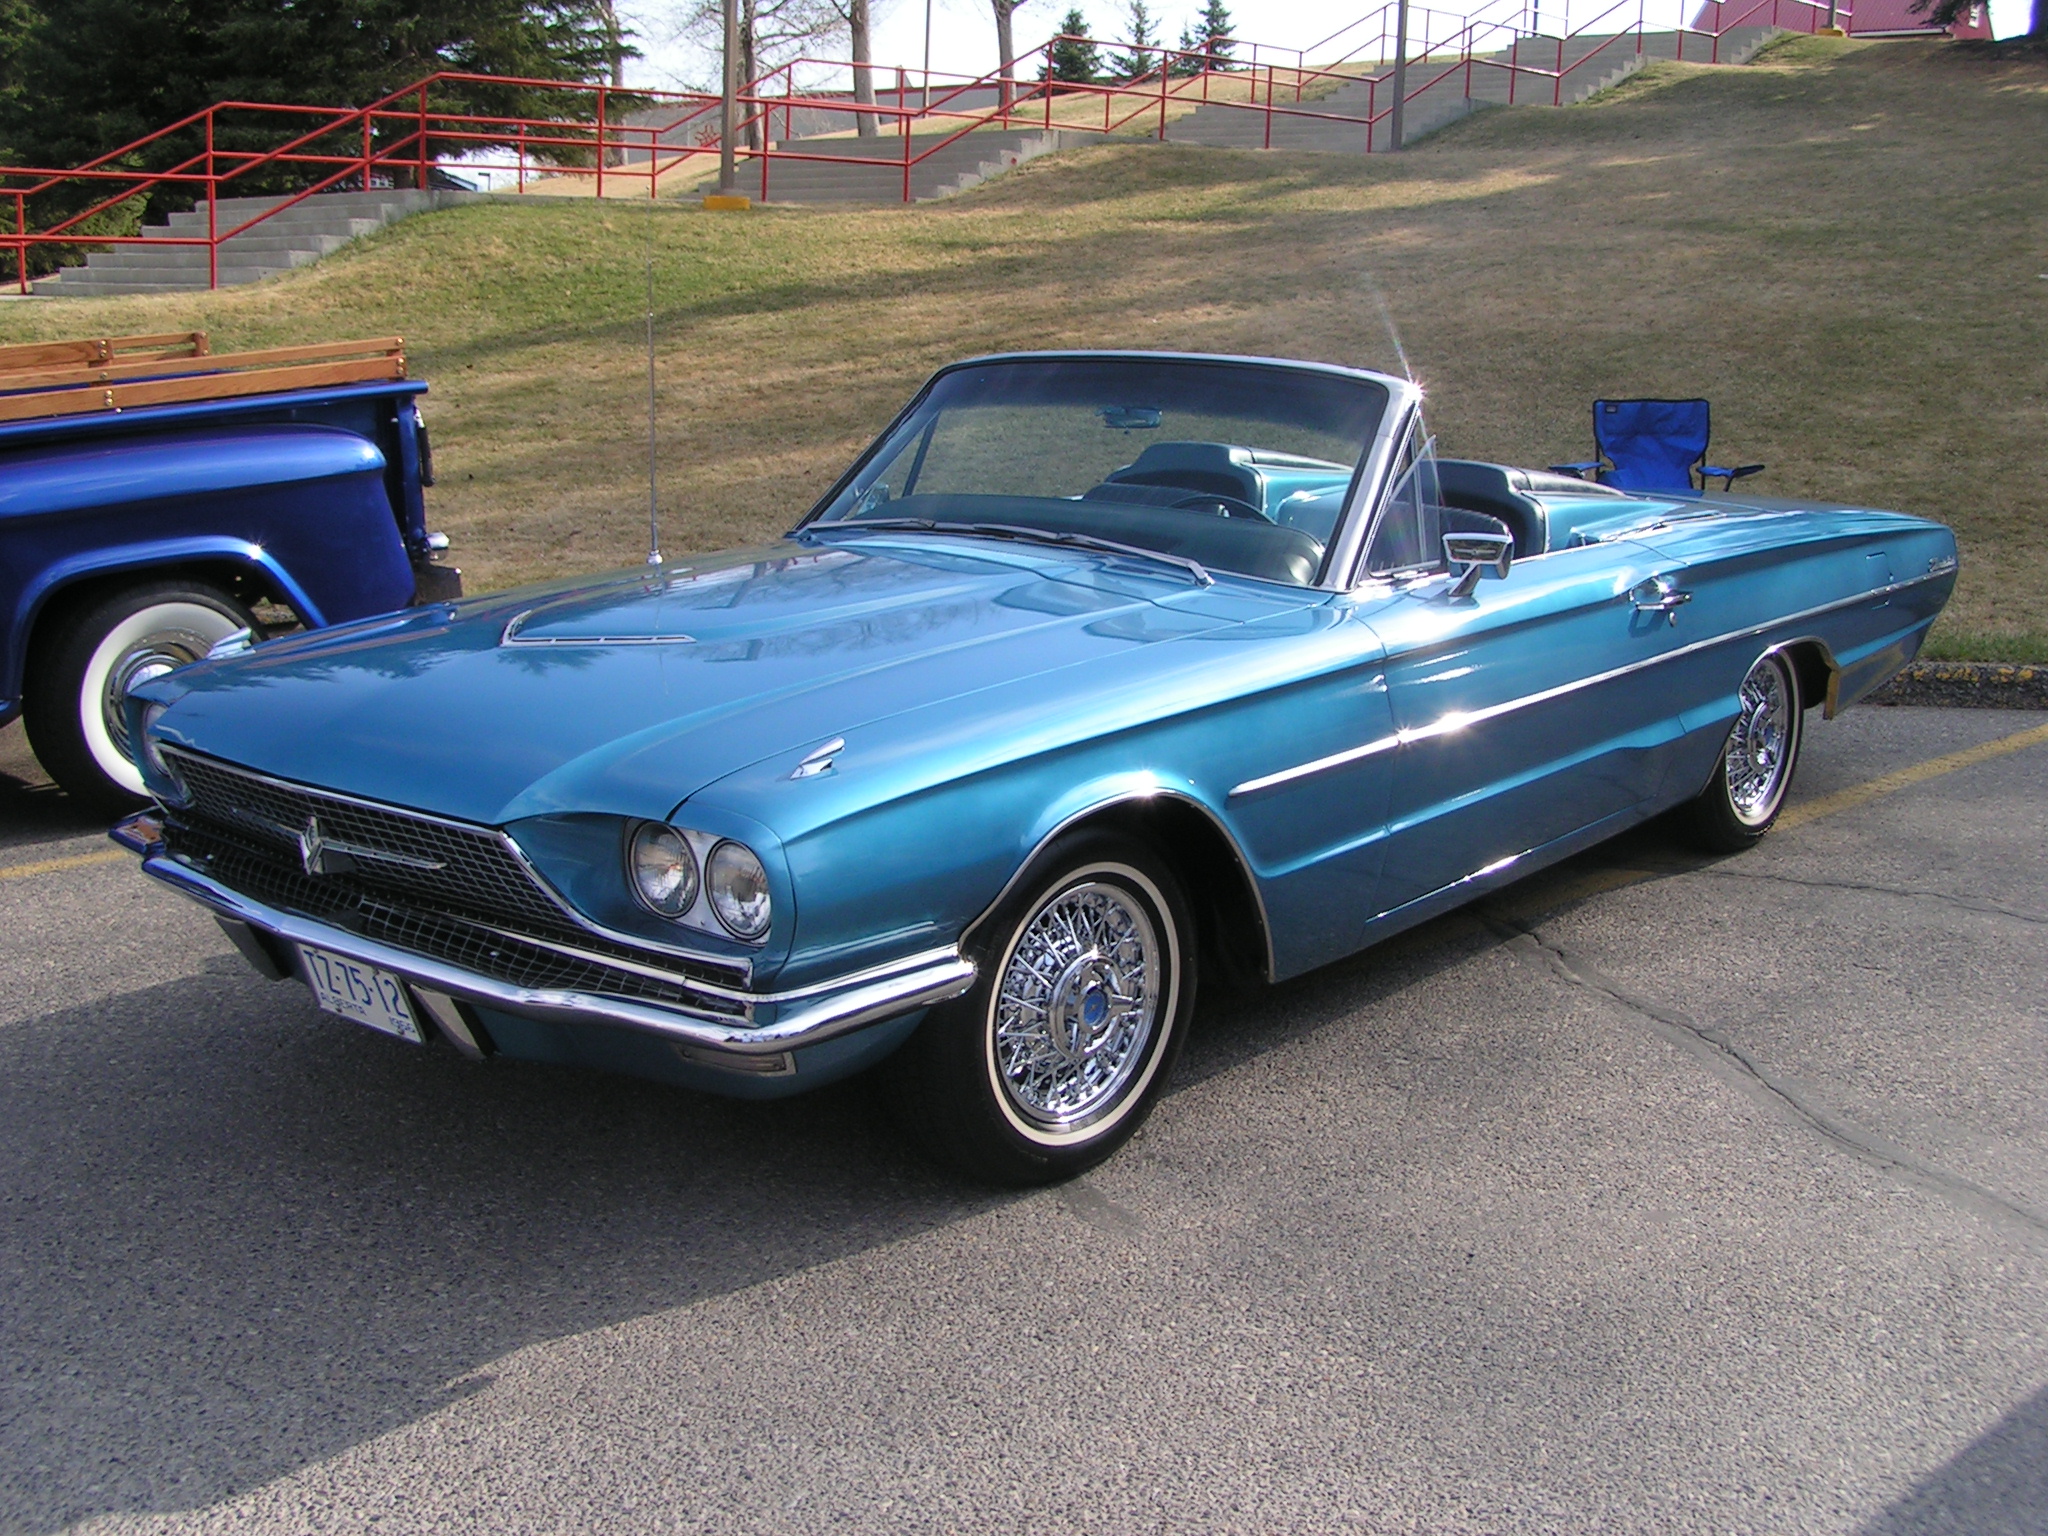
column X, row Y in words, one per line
column 81, row 672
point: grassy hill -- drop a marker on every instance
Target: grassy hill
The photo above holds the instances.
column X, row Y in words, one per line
column 1842, row 245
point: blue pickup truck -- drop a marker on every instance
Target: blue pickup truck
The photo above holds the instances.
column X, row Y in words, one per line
column 156, row 499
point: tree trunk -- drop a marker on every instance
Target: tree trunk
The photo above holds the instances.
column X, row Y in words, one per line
column 863, row 77
column 614, row 42
column 1006, row 47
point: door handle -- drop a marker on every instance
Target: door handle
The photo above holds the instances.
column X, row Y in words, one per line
column 1660, row 596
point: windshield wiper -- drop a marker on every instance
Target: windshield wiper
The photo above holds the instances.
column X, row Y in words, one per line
column 1192, row 568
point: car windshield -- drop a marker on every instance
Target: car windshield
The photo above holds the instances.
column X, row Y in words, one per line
column 1238, row 467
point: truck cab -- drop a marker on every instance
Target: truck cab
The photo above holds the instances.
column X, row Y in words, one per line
column 157, row 500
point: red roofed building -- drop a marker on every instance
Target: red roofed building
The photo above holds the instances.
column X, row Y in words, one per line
column 1859, row 18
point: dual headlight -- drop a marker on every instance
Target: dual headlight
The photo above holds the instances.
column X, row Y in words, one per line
column 675, row 873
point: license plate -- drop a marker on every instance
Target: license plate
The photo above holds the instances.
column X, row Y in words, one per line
column 361, row 992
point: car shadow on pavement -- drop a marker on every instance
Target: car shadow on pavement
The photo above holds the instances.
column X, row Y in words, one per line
column 1995, row 1486
column 32, row 809
column 242, row 1237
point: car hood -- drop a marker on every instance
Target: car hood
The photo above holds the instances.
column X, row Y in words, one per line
column 630, row 693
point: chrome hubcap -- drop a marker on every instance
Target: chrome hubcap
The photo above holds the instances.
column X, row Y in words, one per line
column 155, row 656
column 1756, row 757
column 1077, row 1005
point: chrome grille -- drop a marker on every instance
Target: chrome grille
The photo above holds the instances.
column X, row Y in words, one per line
column 443, row 883
column 466, row 869
column 503, row 957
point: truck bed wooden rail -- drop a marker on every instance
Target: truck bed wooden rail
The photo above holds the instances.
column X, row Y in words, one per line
column 115, row 373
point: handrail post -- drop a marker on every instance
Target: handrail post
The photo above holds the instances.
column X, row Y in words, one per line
column 1162, row 95
column 366, row 149
column 1269, row 105
column 21, row 228
column 212, row 212
column 903, row 124
column 522, row 159
column 423, row 137
column 600, row 140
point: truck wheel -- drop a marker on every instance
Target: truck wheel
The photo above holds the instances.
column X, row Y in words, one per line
column 1059, row 1051
column 81, row 671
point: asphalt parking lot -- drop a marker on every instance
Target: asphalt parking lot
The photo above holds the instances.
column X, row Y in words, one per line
column 1656, row 1195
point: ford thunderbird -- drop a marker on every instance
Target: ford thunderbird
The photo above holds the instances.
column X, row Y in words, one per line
column 1096, row 675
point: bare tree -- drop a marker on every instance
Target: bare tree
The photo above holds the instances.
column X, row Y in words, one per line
column 855, row 16
column 771, row 33
column 615, row 34
column 1006, row 44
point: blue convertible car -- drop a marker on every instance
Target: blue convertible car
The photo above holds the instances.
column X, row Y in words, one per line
column 1096, row 673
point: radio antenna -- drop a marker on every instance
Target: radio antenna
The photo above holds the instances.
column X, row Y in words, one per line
column 653, row 505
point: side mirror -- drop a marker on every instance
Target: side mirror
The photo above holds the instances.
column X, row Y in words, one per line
column 1473, row 555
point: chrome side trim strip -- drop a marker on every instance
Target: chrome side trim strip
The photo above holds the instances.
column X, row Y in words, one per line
column 1457, row 722
column 834, row 1008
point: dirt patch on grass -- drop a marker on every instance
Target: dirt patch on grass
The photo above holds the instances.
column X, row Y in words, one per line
column 1841, row 245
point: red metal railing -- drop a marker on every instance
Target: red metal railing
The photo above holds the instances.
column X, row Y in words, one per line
column 405, row 136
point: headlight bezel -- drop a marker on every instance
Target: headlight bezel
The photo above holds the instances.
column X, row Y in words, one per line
column 159, row 777
column 724, row 918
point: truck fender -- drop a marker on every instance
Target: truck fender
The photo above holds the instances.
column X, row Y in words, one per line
column 154, row 556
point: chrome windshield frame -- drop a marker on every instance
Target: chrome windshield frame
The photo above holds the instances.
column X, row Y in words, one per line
column 1370, row 478
column 1343, row 567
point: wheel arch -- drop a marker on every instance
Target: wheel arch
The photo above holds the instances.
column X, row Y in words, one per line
column 1813, row 665
column 245, row 571
column 1234, row 936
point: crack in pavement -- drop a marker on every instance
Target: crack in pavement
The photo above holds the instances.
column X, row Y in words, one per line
column 1713, row 1046
column 1967, row 903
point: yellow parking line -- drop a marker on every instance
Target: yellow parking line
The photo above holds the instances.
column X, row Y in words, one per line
column 1888, row 783
column 51, row 866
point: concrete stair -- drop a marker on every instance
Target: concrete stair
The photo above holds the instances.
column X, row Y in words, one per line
column 294, row 237
column 966, row 161
column 1341, row 125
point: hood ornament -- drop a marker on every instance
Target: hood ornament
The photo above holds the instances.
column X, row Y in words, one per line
column 821, row 760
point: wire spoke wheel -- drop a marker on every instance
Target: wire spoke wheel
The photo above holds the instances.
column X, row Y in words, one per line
column 1056, row 1055
column 1757, row 761
column 1077, row 1004
column 1757, row 758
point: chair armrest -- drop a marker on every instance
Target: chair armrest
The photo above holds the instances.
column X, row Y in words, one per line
column 1728, row 476
column 1589, row 469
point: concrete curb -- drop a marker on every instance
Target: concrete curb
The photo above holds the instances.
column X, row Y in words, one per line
column 1968, row 684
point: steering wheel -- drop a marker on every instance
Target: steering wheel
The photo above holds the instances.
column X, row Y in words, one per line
column 1220, row 504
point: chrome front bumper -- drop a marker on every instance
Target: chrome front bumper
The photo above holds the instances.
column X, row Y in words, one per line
column 802, row 1016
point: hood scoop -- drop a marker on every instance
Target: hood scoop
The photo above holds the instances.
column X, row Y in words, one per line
column 537, row 627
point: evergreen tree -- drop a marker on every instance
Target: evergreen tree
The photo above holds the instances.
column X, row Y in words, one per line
column 1213, row 28
column 1188, row 61
column 1141, row 44
column 1072, row 59
column 95, row 74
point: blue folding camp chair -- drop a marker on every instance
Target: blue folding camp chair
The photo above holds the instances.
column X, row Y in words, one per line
column 1652, row 445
